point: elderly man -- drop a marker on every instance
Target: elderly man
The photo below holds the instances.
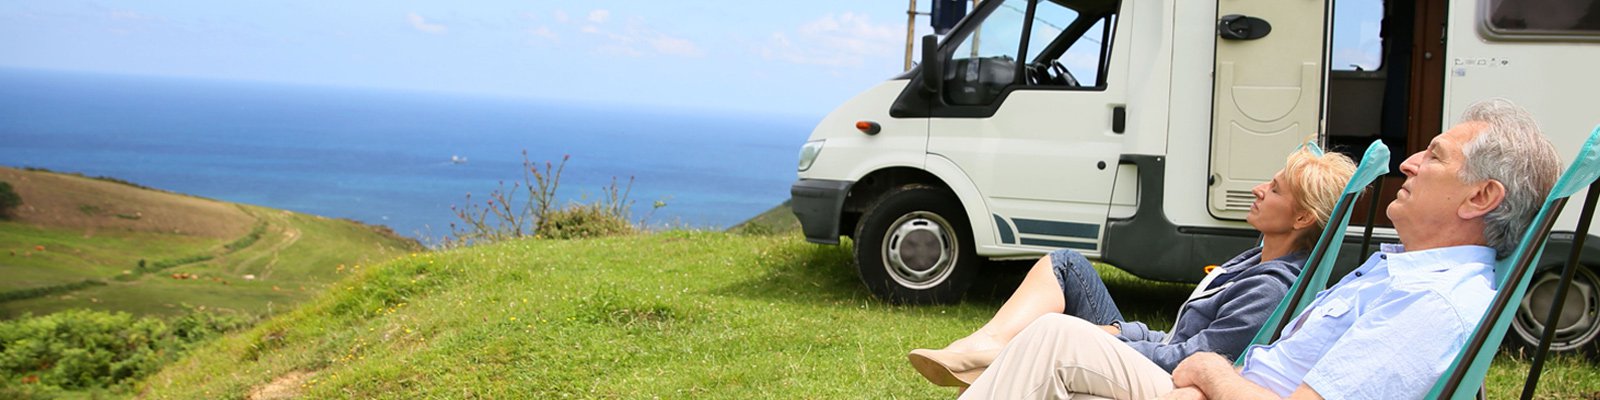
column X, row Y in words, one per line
column 1387, row 330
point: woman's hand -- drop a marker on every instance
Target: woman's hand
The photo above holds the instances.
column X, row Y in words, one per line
column 1112, row 329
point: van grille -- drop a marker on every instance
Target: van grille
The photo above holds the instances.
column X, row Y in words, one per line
column 1238, row 200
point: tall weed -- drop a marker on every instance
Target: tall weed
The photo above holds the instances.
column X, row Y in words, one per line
column 529, row 208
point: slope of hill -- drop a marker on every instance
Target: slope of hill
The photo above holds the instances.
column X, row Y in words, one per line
column 669, row 315
column 99, row 243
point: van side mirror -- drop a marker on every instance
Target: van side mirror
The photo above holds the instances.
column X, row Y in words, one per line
column 932, row 65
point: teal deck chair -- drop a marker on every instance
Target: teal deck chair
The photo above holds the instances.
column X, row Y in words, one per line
column 1465, row 376
column 1314, row 275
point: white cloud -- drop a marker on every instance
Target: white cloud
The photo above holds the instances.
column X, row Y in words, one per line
column 619, row 50
column 844, row 40
column 599, row 16
column 637, row 39
column 675, row 46
column 544, row 32
column 127, row 15
column 423, row 25
column 562, row 17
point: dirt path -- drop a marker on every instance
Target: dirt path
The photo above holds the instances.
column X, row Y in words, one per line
column 284, row 387
column 290, row 235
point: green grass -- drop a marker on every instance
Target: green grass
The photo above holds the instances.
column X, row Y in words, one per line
column 671, row 315
column 72, row 256
column 777, row 220
column 292, row 256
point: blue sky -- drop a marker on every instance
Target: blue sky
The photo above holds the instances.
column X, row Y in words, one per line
column 789, row 57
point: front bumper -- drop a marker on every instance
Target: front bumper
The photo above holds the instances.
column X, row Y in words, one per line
column 817, row 203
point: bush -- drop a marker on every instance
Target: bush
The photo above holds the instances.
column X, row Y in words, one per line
column 583, row 221
column 81, row 349
column 9, row 201
column 248, row 239
column 504, row 216
column 29, row 293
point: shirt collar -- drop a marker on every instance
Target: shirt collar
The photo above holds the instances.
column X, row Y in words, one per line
column 1439, row 259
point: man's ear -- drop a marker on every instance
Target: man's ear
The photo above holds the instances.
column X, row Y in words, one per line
column 1488, row 196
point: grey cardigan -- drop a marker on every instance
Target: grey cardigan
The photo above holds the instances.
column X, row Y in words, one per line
column 1222, row 319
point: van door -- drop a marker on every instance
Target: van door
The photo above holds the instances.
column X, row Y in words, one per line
column 1029, row 109
column 1267, row 96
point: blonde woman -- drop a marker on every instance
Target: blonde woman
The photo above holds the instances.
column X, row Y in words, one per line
column 1221, row 316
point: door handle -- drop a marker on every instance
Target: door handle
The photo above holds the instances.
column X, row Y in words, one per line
column 1242, row 27
column 1119, row 119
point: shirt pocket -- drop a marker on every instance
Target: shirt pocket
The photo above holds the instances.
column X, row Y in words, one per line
column 1332, row 309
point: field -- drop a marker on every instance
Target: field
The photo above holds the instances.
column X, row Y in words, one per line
column 102, row 244
column 669, row 315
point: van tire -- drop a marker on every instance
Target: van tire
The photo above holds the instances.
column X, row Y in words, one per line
column 1579, row 330
column 915, row 246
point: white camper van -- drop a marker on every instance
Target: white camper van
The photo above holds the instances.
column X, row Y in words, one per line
column 1133, row 130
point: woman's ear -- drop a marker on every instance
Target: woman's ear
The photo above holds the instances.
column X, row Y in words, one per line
column 1303, row 220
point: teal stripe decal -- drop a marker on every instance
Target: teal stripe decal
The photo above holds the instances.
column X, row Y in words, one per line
column 1057, row 228
column 1058, row 243
column 1005, row 230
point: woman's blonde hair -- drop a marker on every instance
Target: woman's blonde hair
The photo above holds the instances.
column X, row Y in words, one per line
column 1316, row 182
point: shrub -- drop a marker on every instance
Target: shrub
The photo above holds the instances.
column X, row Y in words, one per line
column 29, row 293
column 81, row 349
column 173, row 262
column 248, row 239
column 9, row 201
column 504, row 216
column 583, row 221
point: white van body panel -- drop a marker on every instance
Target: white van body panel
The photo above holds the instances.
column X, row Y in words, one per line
column 1528, row 72
column 1149, row 80
column 983, row 226
column 850, row 154
column 1189, row 126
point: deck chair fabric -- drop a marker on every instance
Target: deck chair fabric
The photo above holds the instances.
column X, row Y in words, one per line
column 1314, row 275
column 1464, row 377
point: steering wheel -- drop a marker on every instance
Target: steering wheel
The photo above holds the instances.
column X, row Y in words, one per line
column 1062, row 74
column 1038, row 74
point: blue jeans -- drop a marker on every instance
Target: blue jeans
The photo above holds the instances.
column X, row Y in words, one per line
column 1086, row 295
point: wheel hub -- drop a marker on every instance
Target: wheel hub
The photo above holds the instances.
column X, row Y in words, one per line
column 920, row 250
column 1578, row 324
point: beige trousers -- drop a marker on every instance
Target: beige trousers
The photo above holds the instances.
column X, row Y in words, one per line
column 1064, row 357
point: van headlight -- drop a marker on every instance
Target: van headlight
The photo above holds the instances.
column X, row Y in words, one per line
column 809, row 152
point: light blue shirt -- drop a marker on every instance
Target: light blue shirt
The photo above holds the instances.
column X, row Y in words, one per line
column 1387, row 330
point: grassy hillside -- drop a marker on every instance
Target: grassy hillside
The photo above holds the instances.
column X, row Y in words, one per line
column 671, row 315
column 779, row 219
column 79, row 242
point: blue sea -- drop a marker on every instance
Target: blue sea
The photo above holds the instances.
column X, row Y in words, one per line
column 384, row 157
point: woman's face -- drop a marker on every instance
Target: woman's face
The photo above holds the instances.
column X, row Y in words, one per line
column 1275, row 209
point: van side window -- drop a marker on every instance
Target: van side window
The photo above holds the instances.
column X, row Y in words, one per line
column 986, row 61
column 1543, row 17
column 1066, row 47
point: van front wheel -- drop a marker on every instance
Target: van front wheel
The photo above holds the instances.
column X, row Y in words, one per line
column 915, row 246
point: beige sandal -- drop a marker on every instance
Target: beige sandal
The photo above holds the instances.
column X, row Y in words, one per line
column 951, row 368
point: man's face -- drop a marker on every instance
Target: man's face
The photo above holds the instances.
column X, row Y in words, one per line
column 1433, row 192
